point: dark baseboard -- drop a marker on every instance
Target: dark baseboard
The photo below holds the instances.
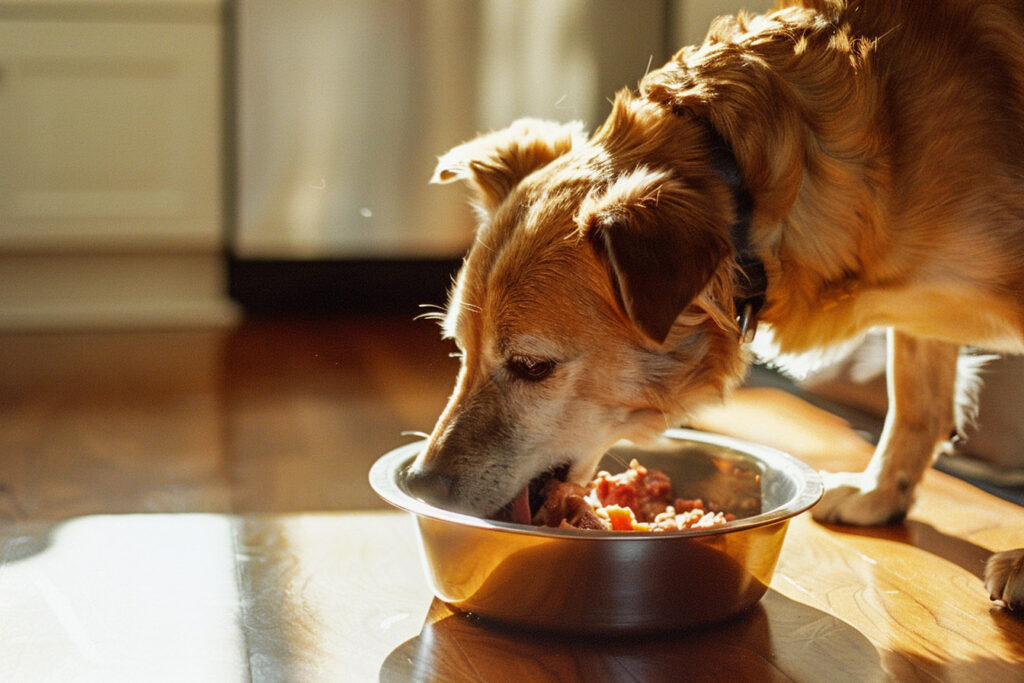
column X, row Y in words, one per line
column 325, row 287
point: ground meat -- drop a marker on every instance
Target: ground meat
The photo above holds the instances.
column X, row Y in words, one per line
column 565, row 504
column 643, row 491
column 635, row 500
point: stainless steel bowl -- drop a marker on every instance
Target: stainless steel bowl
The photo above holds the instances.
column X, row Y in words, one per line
column 573, row 580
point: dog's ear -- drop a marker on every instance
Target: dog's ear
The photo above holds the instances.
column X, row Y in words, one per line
column 662, row 242
column 495, row 163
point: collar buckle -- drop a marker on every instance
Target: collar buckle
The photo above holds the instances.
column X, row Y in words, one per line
column 747, row 320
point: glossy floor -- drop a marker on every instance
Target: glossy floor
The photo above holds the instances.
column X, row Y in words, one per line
column 193, row 506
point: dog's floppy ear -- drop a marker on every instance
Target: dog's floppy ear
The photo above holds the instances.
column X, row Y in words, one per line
column 495, row 163
column 662, row 241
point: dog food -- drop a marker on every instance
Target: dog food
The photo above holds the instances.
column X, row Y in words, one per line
column 635, row 500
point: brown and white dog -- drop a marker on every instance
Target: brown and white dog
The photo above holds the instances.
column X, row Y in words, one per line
column 814, row 172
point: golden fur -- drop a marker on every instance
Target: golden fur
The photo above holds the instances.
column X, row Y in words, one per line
column 883, row 144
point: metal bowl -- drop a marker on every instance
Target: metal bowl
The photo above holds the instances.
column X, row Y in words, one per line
column 574, row 580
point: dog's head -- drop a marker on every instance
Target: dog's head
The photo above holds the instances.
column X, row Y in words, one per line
column 594, row 304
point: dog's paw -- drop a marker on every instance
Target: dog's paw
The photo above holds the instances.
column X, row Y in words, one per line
column 1004, row 578
column 855, row 498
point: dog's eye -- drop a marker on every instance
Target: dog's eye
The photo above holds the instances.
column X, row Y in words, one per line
column 530, row 369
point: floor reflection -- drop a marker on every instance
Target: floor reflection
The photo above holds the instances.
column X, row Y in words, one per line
column 777, row 639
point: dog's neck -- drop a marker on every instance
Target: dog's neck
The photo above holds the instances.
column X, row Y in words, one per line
column 750, row 281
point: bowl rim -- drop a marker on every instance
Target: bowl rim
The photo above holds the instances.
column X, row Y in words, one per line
column 383, row 477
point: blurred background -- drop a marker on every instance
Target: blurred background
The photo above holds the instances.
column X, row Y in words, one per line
column 168, row 162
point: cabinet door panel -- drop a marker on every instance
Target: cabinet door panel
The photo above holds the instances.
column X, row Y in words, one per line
column 110, row 135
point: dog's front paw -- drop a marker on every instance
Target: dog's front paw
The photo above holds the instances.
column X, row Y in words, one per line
column 856, row 498
column 1004, row 578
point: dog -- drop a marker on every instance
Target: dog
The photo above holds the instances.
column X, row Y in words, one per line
column 811, row 173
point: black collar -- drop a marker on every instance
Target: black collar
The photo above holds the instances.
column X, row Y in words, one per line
column 751, row 281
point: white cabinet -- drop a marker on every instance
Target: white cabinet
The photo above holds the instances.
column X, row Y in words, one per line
column 111, row 163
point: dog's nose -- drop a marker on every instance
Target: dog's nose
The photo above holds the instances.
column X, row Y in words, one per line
column 431, row 486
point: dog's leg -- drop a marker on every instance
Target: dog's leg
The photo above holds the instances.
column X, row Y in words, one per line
column 922, row 380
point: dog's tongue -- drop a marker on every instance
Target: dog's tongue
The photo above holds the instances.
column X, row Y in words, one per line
column 521, row 507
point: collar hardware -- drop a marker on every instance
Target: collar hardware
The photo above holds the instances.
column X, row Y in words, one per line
column 748, row 323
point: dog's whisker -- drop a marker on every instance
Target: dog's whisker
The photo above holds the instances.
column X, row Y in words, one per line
column 482, row 243
column 621, row 461
column 436, row 312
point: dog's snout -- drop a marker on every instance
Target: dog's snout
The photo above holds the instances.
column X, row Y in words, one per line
column 434, row 487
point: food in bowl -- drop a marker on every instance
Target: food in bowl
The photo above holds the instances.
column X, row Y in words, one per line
column 573, row 580
column 638, row 499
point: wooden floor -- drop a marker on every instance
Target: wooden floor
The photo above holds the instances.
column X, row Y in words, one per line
column 269, row 417
column 194, row 506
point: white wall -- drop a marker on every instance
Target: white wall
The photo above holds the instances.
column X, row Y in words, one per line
column 692, row 17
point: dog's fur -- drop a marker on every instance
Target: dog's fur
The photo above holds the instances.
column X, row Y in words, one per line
column 882, row 142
